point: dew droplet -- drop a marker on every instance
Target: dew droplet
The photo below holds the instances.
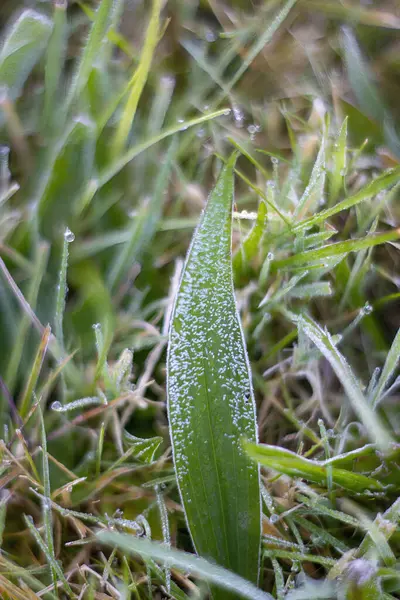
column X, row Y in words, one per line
column 274, row 518
column 270, row 256
column 56, row 406
column 238, row 116
column 211, row 36
column 367, row 308
column 68, row 235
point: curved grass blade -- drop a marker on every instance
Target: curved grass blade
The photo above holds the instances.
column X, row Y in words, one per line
column 289, row 463
column 187, row 562
column 210, row 398
column 22, row 48
column 324, row 342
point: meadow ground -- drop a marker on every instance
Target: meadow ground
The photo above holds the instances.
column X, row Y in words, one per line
column 115, row 120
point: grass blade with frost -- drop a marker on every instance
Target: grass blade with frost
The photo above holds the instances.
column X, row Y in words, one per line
column 210, row 398
column 323, row 340
column 389, row 368
column 187, row 562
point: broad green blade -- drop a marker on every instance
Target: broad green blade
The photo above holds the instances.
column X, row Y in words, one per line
column 22, row 48
column 210, row 398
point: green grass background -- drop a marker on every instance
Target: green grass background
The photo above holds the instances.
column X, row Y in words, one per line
column 314, row 113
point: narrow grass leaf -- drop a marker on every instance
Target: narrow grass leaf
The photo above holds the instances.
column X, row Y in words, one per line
column 95, row 40
column 289, row 463
column 323, row 340
column 373, row 188
column 338, row 249
column 20, row 338
column 139, row 79
column 144, row 449
column 62, row 288
column 392, row 360
column 145, row 223
column 208, row 571
column 361, row 79
column 49, row 557
column 315, row 188
column 250, row 246
column 131, row 153
column 339, row 164
column 261, row 41
column 210, row 398
column 54, row 65
column 33, row 377
column 46, row 501
column 22, row 48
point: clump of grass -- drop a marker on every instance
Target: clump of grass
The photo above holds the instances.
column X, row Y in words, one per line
column 113, row 132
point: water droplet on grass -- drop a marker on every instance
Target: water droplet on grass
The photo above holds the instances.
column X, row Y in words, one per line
column 69, row 236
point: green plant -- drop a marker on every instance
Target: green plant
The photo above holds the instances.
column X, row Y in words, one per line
column 113, row 130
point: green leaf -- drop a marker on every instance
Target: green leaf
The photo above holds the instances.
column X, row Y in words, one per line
column 389, row 368
column 187, row 562
column 339, row 163
column 22, row 48
column 250, row 245
column 94, row 43
column 210, row 398
column 324, row 342
column 289, row 463
column 373, row 188
column 361, row 79
column 145, row 223
column 144, row 449
column 138, row 79
column 338, row 249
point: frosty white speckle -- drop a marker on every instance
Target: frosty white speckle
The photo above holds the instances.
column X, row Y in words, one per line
column 210, row 398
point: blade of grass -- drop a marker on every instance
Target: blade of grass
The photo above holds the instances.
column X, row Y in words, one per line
column 46, row 502
column 62, row 289
column 285, row 461
column 323, row 340
column 263, row 39
column 138, row 80
column 130, row 154
column 22, row 48
column 337, row 249
column 56, row 49
column 26, row 396
column 210, row 398
column 49, row 557
column 145, row 224
column 391, row 362
column 373, row 188
column 19, row 342
column 208, row 571
column 98, row 33
column 336, row 176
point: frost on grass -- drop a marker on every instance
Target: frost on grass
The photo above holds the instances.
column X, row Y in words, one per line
column 210, row 398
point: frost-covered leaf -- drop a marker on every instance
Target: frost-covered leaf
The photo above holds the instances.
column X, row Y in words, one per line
column 325, row 344
column 210, row 398
column 186, row 562
column 143, row 449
